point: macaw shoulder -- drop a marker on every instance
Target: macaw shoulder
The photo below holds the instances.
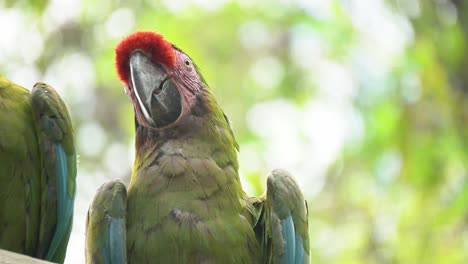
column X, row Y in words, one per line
column 15, row 116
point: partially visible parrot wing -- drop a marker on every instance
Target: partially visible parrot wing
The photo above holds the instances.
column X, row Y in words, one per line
column 58, row 159
column 282, row 227
column 106, row 225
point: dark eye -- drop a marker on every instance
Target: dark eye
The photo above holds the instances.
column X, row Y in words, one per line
column 187, row 62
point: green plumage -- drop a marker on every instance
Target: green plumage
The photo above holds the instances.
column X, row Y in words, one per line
column 185, row 203
column 107, row 215
column 36, row 147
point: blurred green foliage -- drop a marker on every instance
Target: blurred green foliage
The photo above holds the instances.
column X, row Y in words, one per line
column 365, row 101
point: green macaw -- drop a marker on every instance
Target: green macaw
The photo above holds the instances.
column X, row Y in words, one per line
column 185, row 203
column 37, row 171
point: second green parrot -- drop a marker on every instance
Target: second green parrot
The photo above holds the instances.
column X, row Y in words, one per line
column 37, row 171
column 185, row 203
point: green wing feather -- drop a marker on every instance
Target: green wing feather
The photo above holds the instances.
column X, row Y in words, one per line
column 281, row 222
column 55, row 134
column 105, row 225
column 37, row 171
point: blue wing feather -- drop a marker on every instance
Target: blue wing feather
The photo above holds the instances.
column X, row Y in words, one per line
column 115, row 244
column 65, row 202
column 300, row 253
column 289, row 236
column 287, row 221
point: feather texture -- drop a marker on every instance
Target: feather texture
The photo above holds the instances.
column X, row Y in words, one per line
column 37, row 171
column 185, row 203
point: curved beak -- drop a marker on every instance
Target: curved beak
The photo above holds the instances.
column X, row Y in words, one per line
column 157, row 95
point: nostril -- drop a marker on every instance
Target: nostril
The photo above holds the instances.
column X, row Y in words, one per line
column 158, row 89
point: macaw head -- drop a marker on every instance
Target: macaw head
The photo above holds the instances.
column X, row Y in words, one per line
column 161, row 80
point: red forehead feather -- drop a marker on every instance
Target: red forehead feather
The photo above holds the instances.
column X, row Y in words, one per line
column 150, row 42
